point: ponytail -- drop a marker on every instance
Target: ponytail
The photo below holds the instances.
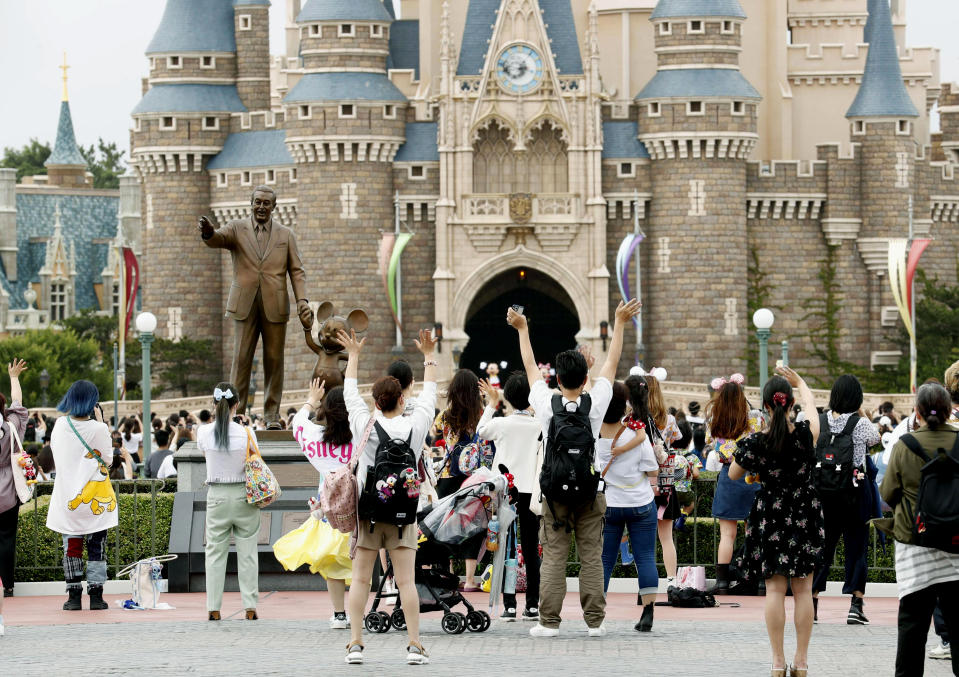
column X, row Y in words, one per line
column 224, row 399
column 778, row 399
column 934, row 405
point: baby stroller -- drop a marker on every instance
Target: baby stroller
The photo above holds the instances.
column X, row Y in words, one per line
column 455, row 519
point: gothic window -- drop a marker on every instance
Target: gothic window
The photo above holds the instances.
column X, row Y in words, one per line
column 494, row 162
column 542, row 168
column 547, row 168
column 58, row 301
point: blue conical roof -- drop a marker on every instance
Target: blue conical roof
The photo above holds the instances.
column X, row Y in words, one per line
column 65, row 151
column 195, row 26
column 342, row 10
column 882, row 92
column 667, row 9
column 867, row 31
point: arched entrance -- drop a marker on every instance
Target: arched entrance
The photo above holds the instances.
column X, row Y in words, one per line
column 553, row 319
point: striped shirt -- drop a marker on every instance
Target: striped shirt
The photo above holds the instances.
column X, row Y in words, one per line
column 918, row 568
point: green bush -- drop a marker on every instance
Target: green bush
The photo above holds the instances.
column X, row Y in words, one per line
column 40, row 551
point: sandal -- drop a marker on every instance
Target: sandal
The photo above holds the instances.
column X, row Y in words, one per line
column 214, row 616
column 798, row 672
column 251, row 615
column 354, row 653
column 416, row 654
column 777, row 672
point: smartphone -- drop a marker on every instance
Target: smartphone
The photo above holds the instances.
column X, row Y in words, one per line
column 518, row 308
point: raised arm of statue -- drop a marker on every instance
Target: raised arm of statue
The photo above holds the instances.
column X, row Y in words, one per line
column 217, row 238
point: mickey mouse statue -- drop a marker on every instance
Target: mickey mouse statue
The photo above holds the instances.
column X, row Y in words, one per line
column 321, row 338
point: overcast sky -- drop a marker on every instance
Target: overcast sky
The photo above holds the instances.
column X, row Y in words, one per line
column 105, row 39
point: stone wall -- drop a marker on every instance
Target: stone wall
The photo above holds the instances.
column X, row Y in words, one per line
column 253, row 57
column 328, row 49
column 191, row 67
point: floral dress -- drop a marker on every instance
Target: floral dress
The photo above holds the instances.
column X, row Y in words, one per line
column 784, row 531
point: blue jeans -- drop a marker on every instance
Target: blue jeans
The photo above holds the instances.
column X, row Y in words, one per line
column 640, row 524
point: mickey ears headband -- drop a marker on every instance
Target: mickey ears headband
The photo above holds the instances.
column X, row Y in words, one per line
column 720, row 381
column 501, row 365
column 657, row 373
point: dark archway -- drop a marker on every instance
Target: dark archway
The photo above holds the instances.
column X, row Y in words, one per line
column 553, row 319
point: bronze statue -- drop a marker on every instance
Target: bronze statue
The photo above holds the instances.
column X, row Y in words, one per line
column 321, row 338
column 264, row 252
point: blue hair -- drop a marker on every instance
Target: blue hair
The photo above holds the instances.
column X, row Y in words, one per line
column 80, row 399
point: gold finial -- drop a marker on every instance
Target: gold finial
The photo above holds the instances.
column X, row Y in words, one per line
column 64, row 68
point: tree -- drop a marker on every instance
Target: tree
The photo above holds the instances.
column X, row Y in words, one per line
column 28, row 161
column 105, row 163
column 823, row 312
column 187, row 366
column 87, row 324
column 65, row 356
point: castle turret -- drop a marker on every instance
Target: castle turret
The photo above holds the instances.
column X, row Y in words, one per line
column 881, row 118
column 697, row 119
column 345, row 123
column 8, row 222
column 66, row 166
column 181, row 122
column 252, row 28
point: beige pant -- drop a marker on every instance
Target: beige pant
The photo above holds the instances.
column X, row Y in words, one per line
column 228, row 514
column 587, row 524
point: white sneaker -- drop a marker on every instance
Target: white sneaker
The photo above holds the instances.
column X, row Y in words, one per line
column 416, row 655
column 339, row 622
column 354, row 654
column 1, row 629
column 540, row 630
column 597, row 632
column 943, row 651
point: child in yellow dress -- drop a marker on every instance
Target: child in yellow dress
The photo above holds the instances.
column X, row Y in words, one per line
column 315, row 542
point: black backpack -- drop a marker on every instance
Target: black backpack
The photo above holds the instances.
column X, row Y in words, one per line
column 834, row 459
column 936, row 524
column 385, row 497
column 568, row 476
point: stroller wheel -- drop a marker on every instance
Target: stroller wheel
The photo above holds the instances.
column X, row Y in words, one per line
column 373, row 621
column 462, row 619
column 386, row 623
column 399, row 619
column 475, row 621
column 453, row 623
column 487, row 621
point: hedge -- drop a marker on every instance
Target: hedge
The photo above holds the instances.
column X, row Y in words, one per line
column 40, row 551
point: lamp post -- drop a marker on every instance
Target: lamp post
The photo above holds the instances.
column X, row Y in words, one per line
column 44, row 384
column 785, row 353
column 763, row 320
column 146, row 323
column 438, row 335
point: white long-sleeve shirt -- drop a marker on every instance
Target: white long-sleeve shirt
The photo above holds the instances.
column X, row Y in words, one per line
column 517, row 440
column 417, row 422
column 323, row 456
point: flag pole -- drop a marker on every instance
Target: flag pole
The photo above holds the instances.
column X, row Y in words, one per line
column 399, row 275
column 121, row 318
column 640, row 349
column 912, row 311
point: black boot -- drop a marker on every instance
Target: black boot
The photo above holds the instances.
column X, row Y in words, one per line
column 645, row 623
column 73, row 601
column 722, row 580
column 96, row 598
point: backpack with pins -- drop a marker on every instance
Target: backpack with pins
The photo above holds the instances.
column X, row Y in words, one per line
column 392, row 487
column 568, row 476
column 936, row 523
column 834, row 458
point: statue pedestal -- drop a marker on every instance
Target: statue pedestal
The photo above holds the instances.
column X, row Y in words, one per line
column 299, row 481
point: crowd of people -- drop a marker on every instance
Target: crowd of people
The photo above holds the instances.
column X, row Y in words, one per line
column 587, row 458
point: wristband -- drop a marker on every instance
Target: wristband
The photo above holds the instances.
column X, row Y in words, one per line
column 429, row 363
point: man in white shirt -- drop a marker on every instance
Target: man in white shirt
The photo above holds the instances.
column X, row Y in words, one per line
column 572, row 374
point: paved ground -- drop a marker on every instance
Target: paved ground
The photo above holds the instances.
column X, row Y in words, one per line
column 293, row 639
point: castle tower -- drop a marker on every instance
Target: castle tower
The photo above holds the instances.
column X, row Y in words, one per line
column 345, row 121
column 252, row 26
column 66, row 166
column 881, row 118
column 697, row 119
column 180, row 123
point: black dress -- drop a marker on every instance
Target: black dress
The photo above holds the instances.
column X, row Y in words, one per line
column 784, row 530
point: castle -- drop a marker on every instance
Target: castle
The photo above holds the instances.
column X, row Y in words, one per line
column 521, row 140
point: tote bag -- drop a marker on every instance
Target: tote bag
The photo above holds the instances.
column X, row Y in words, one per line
column 262, row 487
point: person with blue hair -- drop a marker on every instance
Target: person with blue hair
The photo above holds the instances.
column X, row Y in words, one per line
column 83, row 504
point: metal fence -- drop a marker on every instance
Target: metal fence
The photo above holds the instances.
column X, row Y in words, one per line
column 141, row 532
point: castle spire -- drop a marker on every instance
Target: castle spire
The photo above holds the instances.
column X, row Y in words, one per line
column 64, row 68
column 882, row 92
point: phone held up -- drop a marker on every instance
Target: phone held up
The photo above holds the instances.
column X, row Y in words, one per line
column 518, row 308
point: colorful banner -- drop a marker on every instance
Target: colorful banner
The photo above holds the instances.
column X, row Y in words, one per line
column 131, row 276
column 401, row 241
column 915, row 253
column 383, row 266
column 623, row 257
column 897, row 279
